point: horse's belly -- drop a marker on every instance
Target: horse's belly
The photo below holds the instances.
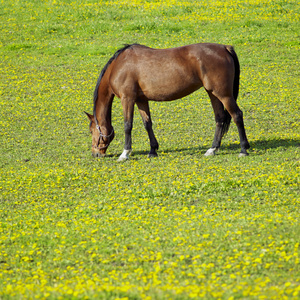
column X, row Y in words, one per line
column 166, row 90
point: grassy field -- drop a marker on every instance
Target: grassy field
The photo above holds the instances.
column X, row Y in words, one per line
column 176, row 227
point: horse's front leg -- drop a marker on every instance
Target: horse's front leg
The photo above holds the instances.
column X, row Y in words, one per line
column 128, row 109
column 144, row 110
column 127, row 148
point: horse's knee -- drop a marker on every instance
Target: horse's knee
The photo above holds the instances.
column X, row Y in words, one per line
column 238, row 117
column 127, row 127
column 219, row 124
column 147, row 125
column 220, row 117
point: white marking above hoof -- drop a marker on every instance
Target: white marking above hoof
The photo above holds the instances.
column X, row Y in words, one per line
column 243, row 154
column 210, row 152
column 124, row 155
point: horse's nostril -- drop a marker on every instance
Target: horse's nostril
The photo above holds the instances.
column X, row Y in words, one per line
column 98, row 154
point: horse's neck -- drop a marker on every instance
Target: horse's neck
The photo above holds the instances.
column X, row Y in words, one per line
column 103, row 113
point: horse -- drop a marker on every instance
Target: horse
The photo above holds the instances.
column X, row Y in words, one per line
column 137, row 74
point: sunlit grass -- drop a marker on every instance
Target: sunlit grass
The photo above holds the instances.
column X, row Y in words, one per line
column 176, row 227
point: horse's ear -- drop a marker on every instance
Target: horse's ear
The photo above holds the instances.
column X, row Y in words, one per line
column 91, row 118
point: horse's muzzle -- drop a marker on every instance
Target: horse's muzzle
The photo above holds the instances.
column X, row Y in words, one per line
column 98, row 154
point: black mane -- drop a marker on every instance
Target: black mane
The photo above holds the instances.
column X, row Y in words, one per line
column 105, row 68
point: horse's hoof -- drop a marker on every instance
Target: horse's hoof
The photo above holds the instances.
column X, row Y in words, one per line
column 210, row 152
column 150, row 155
column 122, row 158
column 242, row 154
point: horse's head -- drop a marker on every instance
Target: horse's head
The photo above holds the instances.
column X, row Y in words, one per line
column 100, row 141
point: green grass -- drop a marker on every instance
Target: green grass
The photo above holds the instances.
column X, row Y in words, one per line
column 176, row 227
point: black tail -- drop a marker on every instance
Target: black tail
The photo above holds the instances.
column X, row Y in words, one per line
column 226, row 123
column 236, row 82
column 236, row 86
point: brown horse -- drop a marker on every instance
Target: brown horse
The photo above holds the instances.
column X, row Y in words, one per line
column 137, row 74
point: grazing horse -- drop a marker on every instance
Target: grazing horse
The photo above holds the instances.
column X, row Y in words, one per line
column 137, row 74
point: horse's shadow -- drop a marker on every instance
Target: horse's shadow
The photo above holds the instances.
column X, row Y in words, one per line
column 259, row 146
column 275, row 143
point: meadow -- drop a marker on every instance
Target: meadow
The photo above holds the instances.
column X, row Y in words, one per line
column 181, row 225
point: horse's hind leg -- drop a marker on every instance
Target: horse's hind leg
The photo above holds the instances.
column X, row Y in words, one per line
column 144, row 110
column 237, row 116
column 222, row 119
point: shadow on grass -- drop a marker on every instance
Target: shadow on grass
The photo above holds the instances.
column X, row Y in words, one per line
column 268, row 144
column 260, row 145
column 275, row 143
